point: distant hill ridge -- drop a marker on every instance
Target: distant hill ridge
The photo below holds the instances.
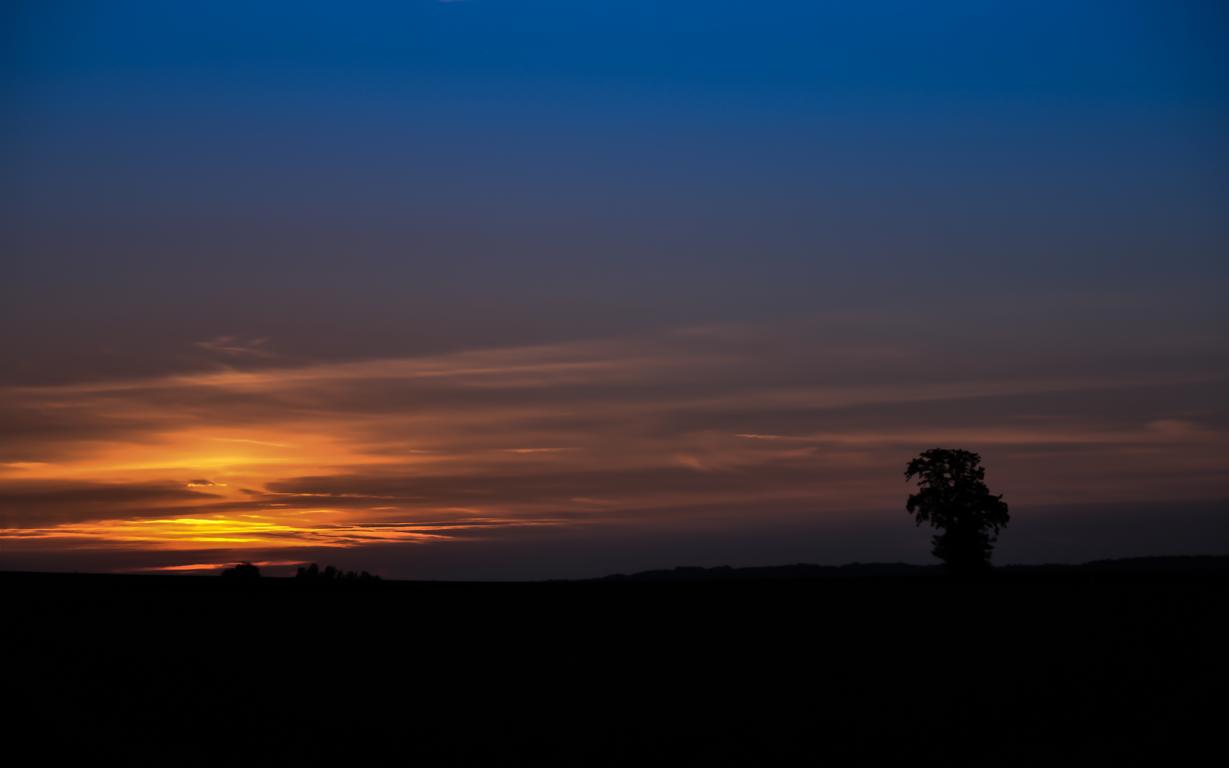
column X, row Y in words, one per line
column 1138, row 565
column 1145, row 567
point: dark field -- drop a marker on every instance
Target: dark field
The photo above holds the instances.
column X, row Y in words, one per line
column 1118, row 666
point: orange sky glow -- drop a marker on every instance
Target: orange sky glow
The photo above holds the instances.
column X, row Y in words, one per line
column 644, row 433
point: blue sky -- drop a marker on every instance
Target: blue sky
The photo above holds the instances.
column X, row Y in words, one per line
column 1030, row 191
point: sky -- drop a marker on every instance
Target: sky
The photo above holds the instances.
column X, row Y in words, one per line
column 504, row 289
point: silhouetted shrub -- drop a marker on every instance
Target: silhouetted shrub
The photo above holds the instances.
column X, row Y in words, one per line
column 242, row 571
column 331, row 575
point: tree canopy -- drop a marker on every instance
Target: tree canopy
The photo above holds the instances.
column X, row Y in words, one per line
column 242, row 571
column 952, row 497
column 329, row 574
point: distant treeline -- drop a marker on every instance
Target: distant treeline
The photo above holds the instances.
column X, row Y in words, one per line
column 312, row 573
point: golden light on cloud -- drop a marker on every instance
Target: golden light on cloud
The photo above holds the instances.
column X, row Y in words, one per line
column 232, row 532
column 635, row 432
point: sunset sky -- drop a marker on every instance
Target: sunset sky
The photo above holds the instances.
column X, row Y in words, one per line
column 522, row 289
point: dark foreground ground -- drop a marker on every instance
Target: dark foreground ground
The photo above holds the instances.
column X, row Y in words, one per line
column 1108, row 666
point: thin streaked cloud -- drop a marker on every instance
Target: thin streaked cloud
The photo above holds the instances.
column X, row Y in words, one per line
column 609, row 432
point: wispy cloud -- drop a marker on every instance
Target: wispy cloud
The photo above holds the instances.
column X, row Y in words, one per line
column 236, row 346
column 427, row 449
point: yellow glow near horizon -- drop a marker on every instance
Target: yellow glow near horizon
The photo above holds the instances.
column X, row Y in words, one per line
column 227, row 531
column 417, row 450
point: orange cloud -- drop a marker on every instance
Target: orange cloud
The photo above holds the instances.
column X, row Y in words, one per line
column 423, row 449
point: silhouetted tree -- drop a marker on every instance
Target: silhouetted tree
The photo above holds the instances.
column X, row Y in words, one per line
column 312, row 573
column 952, row 496
column 242, row 571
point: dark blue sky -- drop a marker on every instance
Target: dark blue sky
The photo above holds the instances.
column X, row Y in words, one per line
column 1031, row 191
